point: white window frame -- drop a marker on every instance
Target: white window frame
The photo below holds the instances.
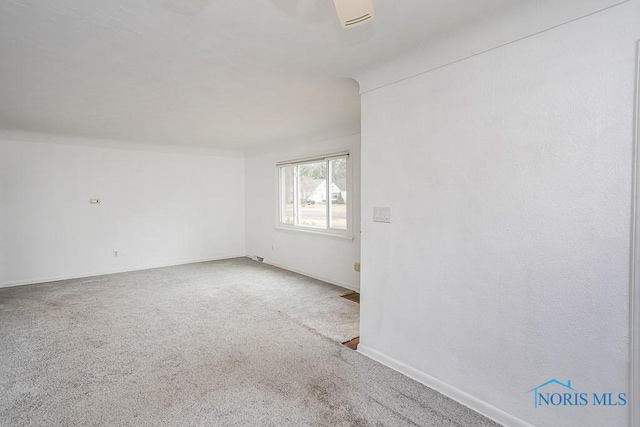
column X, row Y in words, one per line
column 297, row 228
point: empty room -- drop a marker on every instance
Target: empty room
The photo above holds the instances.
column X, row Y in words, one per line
column 319, row 213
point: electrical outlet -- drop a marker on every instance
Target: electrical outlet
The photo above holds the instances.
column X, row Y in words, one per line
column 115, row 254
column 356, row 266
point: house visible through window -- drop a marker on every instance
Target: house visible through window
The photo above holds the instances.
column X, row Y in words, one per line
column 314, row 194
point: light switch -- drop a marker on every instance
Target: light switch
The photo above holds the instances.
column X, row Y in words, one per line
column 381, row 214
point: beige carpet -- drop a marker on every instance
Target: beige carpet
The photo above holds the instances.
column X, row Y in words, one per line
column 228, row 343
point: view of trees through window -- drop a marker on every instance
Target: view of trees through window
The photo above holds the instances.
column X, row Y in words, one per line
column 314, row 194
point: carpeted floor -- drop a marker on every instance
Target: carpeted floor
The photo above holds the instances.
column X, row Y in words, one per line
column 228, row 343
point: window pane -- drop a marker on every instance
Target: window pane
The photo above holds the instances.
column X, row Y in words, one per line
column 287, row 191
column 313, row 194
column 338, row 192
column 312, row 187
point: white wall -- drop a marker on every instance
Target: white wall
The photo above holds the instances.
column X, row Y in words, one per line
column 327, row 258
column 507, row 262
column 156, row 209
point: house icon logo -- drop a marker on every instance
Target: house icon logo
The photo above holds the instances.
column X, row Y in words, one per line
column 539, row 398
column 554, row 393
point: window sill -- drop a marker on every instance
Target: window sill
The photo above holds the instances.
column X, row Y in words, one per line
column 299, row 230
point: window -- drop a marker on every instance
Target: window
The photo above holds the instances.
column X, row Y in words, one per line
column 314, row 194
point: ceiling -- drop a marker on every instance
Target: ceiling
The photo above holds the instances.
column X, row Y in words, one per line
column 232, row 74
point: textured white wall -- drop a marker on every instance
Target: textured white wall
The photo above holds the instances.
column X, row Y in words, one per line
column 507, row 261
column 324, row 257
column 478, row 35
column 156, row 209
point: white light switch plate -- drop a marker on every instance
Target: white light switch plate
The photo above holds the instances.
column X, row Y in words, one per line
column 381, row 214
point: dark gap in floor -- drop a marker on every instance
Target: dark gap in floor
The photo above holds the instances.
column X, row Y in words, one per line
column 352, row 296
column 355, row 297
column 352, row 344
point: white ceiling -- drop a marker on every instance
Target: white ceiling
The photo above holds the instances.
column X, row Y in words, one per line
column 236, row 74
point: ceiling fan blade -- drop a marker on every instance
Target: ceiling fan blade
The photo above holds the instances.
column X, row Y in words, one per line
column 352, row 13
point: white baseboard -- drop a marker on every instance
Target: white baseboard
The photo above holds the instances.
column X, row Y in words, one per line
column 304, row 273
column 460, row 396
column 102, row 273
